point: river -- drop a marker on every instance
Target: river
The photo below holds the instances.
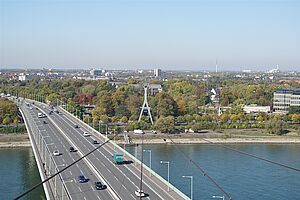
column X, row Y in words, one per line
column 241, row 176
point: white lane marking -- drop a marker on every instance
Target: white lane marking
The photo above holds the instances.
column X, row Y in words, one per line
column 98, row 197
column 79, row 189
column 137, row 175
column 71, row 173
column 84, row 198
column 93, row 188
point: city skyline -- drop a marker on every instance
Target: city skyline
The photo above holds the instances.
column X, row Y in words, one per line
column 171, row 35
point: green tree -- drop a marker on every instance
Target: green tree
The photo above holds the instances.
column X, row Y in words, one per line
column 6, row 120
column 294, row 110
column 165, row 124
column 275, row 126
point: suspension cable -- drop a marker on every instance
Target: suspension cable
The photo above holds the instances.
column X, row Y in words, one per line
column 253, row 156
column 49, row 178
column 201, row 169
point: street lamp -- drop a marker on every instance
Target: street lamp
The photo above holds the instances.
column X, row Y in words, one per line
column 145, row 150
column 190, row 177
column 219, row 197
column 168, row 163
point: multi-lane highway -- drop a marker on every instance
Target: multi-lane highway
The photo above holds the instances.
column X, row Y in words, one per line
column 122, row 181
column 54, row 141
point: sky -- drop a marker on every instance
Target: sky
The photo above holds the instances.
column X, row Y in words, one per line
column 146, row 34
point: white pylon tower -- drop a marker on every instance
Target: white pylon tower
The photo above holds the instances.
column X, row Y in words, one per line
column 145, row 105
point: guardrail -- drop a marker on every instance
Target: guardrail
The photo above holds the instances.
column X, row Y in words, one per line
column 181, row 194
column 41, row 142
column 37, row 156
column 128, row 154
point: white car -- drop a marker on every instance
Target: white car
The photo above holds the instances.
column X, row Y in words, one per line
column 86, row 134
column 139, row 193
column 56, row 153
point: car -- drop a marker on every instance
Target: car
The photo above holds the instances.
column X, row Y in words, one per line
column 72, row 149
column 82, row 179
column 139, row 193
column 95, row 141
column 56, row 153
column 44, row 122
column 99, row 185
column 50, row 112
column 86, row 134
column 76, row 126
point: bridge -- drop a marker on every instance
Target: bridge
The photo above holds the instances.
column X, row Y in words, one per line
column 58, row 131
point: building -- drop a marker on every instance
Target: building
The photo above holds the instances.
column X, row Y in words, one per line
column 154, row 89
column 24, row 77
column 256, row 109
column 157, row 72
column 284, row 98
column 96, row 72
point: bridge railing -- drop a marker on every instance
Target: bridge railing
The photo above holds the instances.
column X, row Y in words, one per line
column 44, row 157
column 82, row 123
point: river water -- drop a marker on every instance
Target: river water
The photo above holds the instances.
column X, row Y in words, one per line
column 242, row 176
column 18, row 172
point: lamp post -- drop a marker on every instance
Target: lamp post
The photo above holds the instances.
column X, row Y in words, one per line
column 190, row 177
column 219, row 197
column 150, row 159
column 168, row 163
column 114, row 140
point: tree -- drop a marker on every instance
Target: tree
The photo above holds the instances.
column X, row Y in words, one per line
column 197, row 127
column 294, row 110
column 296, row 117
column 165, row 124
column 166, row 105
column 275, row 126
column 124, row 119
column 6, row 120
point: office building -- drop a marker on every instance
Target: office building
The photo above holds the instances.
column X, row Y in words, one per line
column 284, row 98
column 157, row 72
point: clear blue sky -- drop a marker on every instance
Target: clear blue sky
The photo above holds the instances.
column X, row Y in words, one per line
column 170, row 34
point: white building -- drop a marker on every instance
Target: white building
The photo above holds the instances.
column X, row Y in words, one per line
column 256, row 109
column 24, row 77
column 157, row 72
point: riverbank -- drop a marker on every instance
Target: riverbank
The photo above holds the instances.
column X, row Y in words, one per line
column 14, row 140
column 167, row 140
column 233, row 136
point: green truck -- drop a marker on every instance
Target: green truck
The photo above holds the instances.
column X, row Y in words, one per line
column 118, row 158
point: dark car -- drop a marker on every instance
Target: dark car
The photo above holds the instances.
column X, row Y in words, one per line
column 72, row 149
column 50, row 112
column 99, row 185
column 95, row 142
column 82, row 179
column 44, row 122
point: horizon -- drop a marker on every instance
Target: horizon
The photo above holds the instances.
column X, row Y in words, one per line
column 246, row 70
column 170, row 35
